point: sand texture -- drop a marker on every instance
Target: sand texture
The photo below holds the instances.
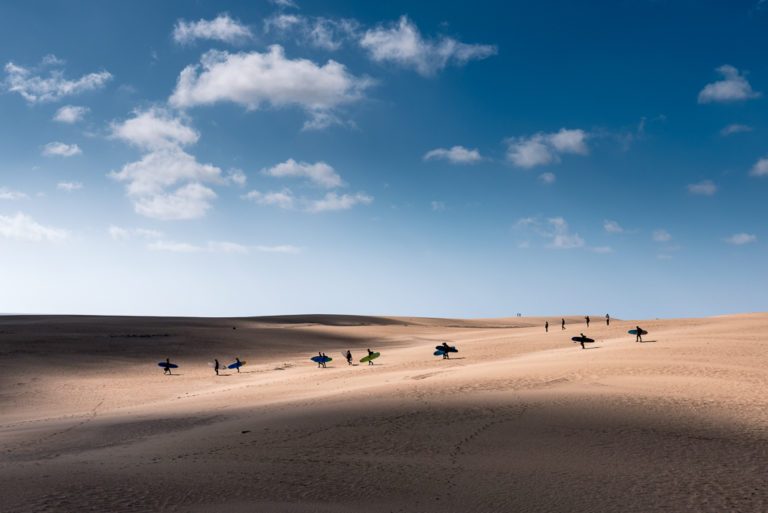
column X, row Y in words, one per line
column 518, row 420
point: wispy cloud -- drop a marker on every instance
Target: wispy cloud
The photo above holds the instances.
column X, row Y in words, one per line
column 61, row 149
column 34, row 87
column 456, row 155
column 735, row 129
column 334, row 201
column 402, row 43
column 554, row 229
column 283, row 199
column 24, row 228
column 703, row 188
column 545, row 148
column 612, row 227
column 741, row 238
column 733, row 87
column 547, row 178
column 319, row 32
column 222, row 28
column 661, row 235
column 7, row 194
column 69, row 186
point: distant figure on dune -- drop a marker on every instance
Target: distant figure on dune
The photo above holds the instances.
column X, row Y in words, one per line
column 562, row 324
column 216, row 366
column 370, row 353
column 349, row 357
column 237, row 360
column 167, row 368
column 587, row 318
column 446, row 348
column 607, row 320
column 639, row 335
column 546, row 326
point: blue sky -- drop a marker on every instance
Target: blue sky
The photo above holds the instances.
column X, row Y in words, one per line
column 438, row 159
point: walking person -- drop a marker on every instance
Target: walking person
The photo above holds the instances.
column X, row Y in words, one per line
column 167, row 368
column 562, row 324
column 445, row 351
column 370, row 353
column 237, row 361
column 546, row 326
column 216, row 366
column 348, row 356
column 587, row 318
column 639, row 334
column 324, row 359
column 607, row 320
column 582, row 340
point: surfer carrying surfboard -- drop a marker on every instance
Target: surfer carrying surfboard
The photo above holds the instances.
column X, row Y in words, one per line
column 237, row 361
column 639, row 334
column 446, row 349
column 582, row 340
column 167, row 368
column 370, row 353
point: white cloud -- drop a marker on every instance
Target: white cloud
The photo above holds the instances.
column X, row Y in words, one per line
column 603, row 249
column 61, row 149
column 661, row 236
column 438, row 206
column 547, row 178
column 543, row 148
column 333, row 201
column 227, row 247
column 285, row 3
column 118, row 233
column 164, row 168
column 188, row 202
column 704, row 188
column 319, row 32
column 36, row 88
column 561, row 238
column 237, row 176
column 7, row 194
column 403, row 44
column 760, row 168
column 222, row 28
column 734, row 87
column 174, row 247
column 154, row 129
column 255, row 79
column 740, row 238
column 69, row 186
column 283, row 199
column 612, row 227
column 278, row 249
column 735, row 129
column 70, row 114
column 456, row 155
column 23, row 227
column 320, row 173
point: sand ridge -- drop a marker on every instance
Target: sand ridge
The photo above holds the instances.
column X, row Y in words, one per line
column 519, row 420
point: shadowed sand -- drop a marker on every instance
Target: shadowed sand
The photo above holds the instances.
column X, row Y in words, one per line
column 520, row 420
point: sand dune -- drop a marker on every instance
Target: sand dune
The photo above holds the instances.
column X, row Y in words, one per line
column 519, row 420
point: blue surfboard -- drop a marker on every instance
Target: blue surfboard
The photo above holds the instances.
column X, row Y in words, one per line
column 451, row 349
column 439, row 353
column 172, row 366
column 235, row 365
column 320, row 359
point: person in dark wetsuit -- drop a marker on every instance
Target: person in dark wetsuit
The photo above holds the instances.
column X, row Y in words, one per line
column 562, row 324
column 582, row 340
column 639, row 334
column 167, row 368
column 546, row 326
column 446, row 347
column 607, row 320
column 237, row 360
column 216, row 366
column 349, row 357
column 370, row 362
column 587, row 318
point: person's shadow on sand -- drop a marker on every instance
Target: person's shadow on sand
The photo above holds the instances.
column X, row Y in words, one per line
column 593, row 347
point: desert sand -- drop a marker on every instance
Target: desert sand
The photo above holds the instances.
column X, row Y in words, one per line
column 518, row 420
